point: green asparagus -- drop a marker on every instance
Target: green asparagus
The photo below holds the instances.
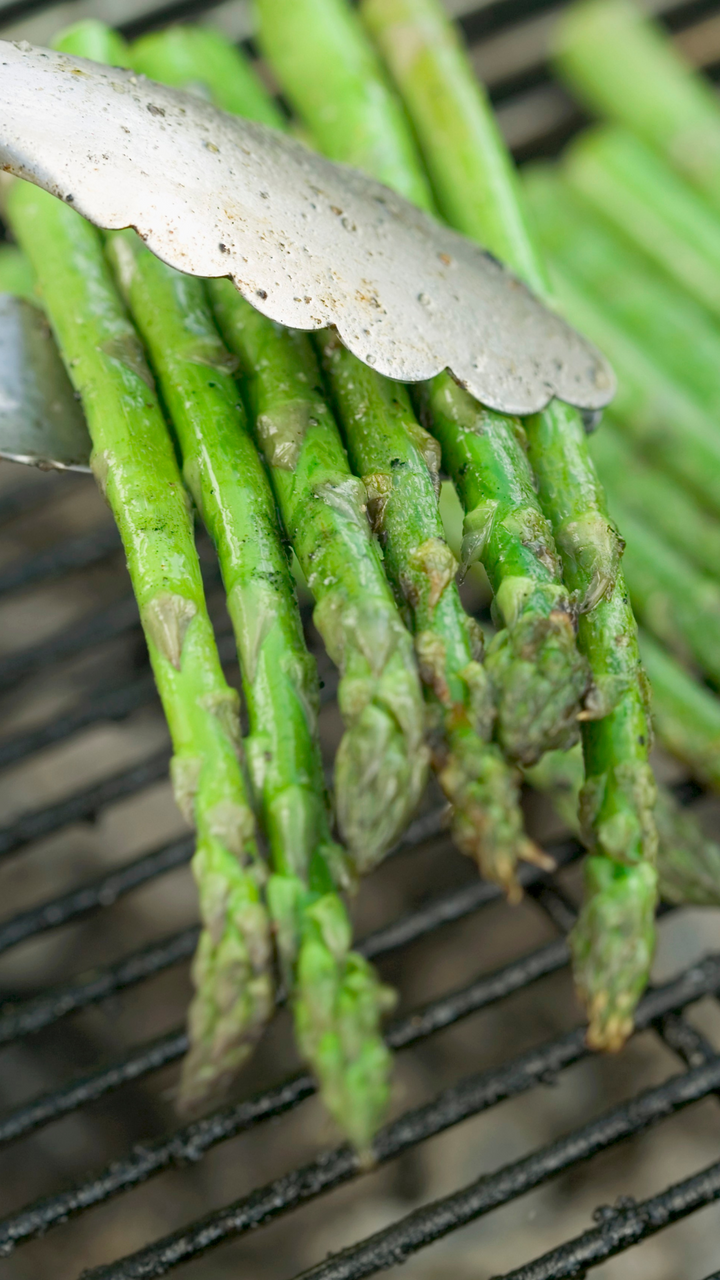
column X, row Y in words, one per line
column 652, row 497
column 194, row 58
column 642, row 196
column 624, row 66
column 675, row 329
column 399, row 466
column 337, row 1000
column 688, row 861
column 685, row 713
column 16, row 274
column 381, row 763
column 397, row 460
column 537, row 674
column 353, row 114
column 478, row 192
column 657, row 413
column 134, row 464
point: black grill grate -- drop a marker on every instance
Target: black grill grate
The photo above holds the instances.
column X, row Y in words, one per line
column 537, row 117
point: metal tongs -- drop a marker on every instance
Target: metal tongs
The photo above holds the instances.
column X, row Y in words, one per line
column 307, row 242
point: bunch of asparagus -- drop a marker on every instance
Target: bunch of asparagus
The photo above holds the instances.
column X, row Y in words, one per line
column 285, row 441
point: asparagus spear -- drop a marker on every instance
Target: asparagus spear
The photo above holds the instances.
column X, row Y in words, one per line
column 660, row 415
column 655, row 499
column 537, row 673
column 388, row 448
column 625, row 66
column 134, row 463
column 381, row 763
column 478, row 192
column 354, row 115
column 399, row 465
column 642, row 196
column 194, row 57
column 336, row 997
column 665, row 321
column 685, row 713
column 688, row 861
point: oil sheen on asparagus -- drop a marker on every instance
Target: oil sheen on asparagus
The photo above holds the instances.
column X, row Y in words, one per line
column 478, row 192
column 336, row 997
column 381, row 763
column 134, row 463
column 537, row 675
column 398, row 463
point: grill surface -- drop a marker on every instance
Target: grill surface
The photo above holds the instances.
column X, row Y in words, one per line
column 69, row 761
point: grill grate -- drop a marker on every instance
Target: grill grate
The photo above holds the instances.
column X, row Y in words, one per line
column 508, row 38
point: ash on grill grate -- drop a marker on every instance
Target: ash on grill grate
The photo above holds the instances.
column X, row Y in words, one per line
column 97, row 919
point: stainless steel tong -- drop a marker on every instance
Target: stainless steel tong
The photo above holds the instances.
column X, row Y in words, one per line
column 308, row 242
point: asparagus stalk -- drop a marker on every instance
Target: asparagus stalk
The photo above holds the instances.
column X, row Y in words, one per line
column 390, row 451
column 381, row 763
column 478, row 192
column 665, row 321
column 354, row 115
column 646, row 200
column 688, row 861
column 625, row 67
column 655, row 499
column 336, row 997
column 194, row 57
column 337, row 1001
column 685, row 713
column 134, row 463
column 537, row 673
column 399, row 465
column 657, row 413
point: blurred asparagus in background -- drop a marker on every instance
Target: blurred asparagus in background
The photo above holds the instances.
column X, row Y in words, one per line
column 686, row 714
column 381, row 763
column 397, row 460
column 650, row 307
column 134, row 463
column 478, row 191
column 661, row 416
column 651, row 204
column 625, row 66
column 654, row 498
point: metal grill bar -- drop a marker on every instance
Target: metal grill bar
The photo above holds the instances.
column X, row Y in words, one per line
column 84, row 1089
column 623, row 1227
column 103, row 625
column 83, row 805
column 27, row 497
column 443, row 910
column 399, row 1242
column 103, row 704
column 65, row 557
column 112, row 704
column 43, row 1010
column 470, row 1097
column 197, row 1138
column 96, row 894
